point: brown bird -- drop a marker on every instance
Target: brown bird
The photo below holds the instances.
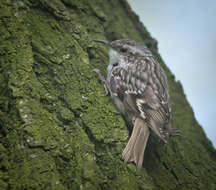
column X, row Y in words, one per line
column 138, row 87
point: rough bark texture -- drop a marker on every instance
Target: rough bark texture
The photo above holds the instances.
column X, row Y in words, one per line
column 56, row 130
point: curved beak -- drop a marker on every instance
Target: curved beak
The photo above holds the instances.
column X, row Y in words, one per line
column 102, row 41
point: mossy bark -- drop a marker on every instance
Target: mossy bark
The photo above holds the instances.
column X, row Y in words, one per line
column 56, row 130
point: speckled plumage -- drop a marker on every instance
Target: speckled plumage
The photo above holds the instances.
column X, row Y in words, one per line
column 138, row 87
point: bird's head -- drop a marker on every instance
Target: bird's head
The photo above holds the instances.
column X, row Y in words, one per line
column 123, row 51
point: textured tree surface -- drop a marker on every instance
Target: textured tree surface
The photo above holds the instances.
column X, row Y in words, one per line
column 56, row 130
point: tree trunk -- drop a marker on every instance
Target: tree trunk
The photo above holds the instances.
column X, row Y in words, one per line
column 56, row 130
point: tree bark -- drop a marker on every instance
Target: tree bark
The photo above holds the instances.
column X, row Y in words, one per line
column 56, row 130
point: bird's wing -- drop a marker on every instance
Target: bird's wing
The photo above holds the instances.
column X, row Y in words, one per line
column 143, row 88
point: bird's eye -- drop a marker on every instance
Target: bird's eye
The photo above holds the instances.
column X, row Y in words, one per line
column 115, row 64
column 123, row 49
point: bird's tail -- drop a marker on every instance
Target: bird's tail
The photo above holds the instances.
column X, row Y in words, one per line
column 134, row 151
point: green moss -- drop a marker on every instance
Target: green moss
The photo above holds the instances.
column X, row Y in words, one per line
column 57, row 131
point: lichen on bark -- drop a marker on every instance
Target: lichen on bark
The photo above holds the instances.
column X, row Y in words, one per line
column 56, row 130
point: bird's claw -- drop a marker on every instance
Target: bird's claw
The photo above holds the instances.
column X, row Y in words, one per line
column 172, row 133
column 175, row 132
column 101, row 77
column 106, row 90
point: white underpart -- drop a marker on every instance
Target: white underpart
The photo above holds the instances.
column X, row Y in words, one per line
column 115, row 57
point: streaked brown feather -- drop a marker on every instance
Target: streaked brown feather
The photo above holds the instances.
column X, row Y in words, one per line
column 146, row 82
column 134, row 151
column 138, row 87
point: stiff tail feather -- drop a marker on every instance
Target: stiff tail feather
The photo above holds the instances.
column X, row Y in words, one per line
column 134, row 151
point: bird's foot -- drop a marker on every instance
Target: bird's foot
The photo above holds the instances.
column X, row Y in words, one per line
column 101, row 78
column 175, row 132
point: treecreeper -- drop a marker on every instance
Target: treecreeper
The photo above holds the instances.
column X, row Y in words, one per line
column 138, row 87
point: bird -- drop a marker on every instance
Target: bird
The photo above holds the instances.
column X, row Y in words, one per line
column 138, row 86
